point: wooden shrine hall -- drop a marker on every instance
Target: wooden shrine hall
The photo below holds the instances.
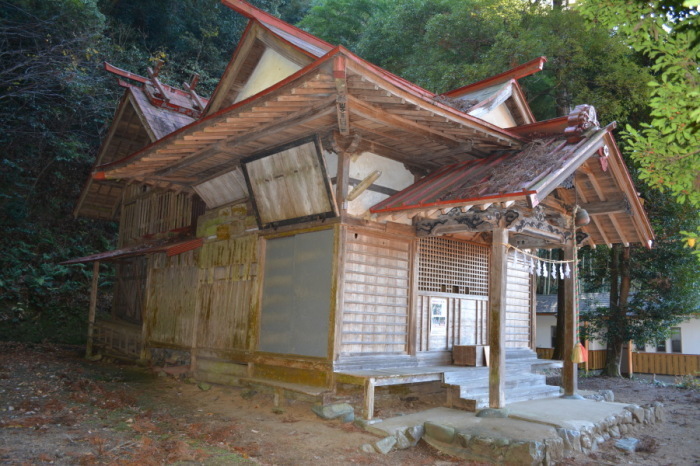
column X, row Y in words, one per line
column 320, row 222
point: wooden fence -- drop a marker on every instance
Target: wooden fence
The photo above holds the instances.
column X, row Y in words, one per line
column 643, row 363
column 666, row 363
column 596, row 358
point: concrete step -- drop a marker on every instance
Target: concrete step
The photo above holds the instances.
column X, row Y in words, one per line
column 514, row 396
column 469, row 389
column 466, row 391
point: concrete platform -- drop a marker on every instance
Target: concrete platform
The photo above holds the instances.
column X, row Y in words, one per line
column 535, row 432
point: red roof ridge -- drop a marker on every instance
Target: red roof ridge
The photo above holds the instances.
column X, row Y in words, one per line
column 251, row 12
column 526, row 69
column 162, row 101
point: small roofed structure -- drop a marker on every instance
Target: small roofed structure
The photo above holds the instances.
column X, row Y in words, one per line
column 324, row 222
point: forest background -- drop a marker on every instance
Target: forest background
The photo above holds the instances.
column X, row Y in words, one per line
column 56, row 103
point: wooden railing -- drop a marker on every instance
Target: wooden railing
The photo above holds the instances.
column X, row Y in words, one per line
column 644, row 363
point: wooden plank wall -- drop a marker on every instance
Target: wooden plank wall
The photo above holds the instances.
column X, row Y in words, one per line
column 146, row 211
column 172, row 297
column 467, row 320
column 130, row 289
column 518, row 299
column 376, row 295
column 229, row 269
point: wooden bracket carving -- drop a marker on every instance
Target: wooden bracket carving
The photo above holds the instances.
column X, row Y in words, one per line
column 581, row 119
column 456, row 221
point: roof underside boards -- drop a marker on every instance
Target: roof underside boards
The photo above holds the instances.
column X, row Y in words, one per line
column 539, row 173
column 136, row 124
column 389, row 118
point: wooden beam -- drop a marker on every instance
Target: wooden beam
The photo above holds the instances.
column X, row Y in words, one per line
column 341, row 101
column 497, row 322
column 607, row 207
column 570, row 371
column 92, row 309
column 342, row 180
column 381, row 116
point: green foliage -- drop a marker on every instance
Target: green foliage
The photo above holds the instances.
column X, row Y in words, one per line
column 667, row 148
column 446, row 44
column 341, row 22
column 664, row 279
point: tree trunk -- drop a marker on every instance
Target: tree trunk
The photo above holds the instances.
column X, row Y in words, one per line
column 558, row 353
column 614, row 340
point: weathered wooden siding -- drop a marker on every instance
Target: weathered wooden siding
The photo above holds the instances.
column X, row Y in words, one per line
column 172, row 297
column 130, row 289
column 228, row 273
column 376, row 293
column 147, row 211
column 467, row 320
column 518, row 311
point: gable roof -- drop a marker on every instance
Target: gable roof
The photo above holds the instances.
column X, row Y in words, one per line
column 391, row 116
column 577, row 153
column 140, row 119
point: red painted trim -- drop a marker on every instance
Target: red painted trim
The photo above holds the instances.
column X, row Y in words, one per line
column 482, row 199
column 123, row 73
column 424, row 94
column 526, row 69
column 246, row 31
column 99, row 176
column 349, row 56
column 225, row 110
column 249, row 11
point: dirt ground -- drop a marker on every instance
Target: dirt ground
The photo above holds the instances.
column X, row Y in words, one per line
column 57, row 408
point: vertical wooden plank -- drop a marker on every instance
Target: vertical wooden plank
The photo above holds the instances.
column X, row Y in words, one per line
column 497, row 307
column 369, row 398
column 413, row 319
column 629, row 358
column 337, row 290
column 342, row 181
column 93, row 308
column 570, row 371
column 533, row 311
column 256, row 301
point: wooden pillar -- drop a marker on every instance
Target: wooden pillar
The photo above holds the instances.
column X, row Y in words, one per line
column 570, row 372
column 342, row 180
column 629, row 359
column 93, row 307
column 497, row 318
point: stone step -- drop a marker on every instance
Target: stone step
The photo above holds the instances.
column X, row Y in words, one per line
column 514, row 396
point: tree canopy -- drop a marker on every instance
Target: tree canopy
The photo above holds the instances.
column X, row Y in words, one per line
column 667, row 148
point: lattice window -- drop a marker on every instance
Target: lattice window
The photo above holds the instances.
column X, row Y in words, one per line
column 451, row 266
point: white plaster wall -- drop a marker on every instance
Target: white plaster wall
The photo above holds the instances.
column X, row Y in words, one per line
column 394, row 176
column 690, row 338
column 500, row 116
column 544, row 332
column 271, row 69
column 544, row 339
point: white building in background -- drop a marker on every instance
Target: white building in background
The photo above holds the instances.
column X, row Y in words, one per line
column 684, row 338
